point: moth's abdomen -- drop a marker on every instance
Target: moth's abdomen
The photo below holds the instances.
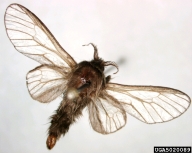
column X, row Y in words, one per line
column 51, row 141
column 60, row 123
column 65, row 115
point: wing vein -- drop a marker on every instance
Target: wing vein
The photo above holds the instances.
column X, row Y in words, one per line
column 19, row 31
column 175, row 101
column 107, row 117
column 17, row 10
column 134, row 97
column 162, row 108
column 156, row 112
column 135, row 110
column 118, row 119
column 168, row 103
column 40, row 55
column 27, row 46
column 182, row 98
column 20, row 18
column 21, row 39
column 41, row 82
column 19, row 23
column 148, row 111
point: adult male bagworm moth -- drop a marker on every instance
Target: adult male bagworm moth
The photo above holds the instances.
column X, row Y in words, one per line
column 84, row 84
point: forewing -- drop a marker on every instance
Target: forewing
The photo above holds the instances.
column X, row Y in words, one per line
column 106, row 114
column 45, row 83
column 150, row 104
column 33, row 39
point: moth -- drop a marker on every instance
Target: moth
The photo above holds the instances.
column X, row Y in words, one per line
column 84, row 84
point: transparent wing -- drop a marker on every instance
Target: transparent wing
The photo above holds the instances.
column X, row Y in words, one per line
column 106, row 114
column 45, row 83
column 150, row 104
column 32, row 38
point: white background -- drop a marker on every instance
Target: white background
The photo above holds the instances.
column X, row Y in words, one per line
column 153, row 36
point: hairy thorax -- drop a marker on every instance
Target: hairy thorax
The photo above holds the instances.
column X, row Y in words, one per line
column 86, row 80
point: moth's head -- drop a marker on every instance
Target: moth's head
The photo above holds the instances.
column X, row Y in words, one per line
column 99, row 62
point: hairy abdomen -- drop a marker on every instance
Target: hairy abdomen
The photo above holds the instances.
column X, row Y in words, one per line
column 65, row 115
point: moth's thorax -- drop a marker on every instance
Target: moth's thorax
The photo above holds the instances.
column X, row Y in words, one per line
column 88, row 78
